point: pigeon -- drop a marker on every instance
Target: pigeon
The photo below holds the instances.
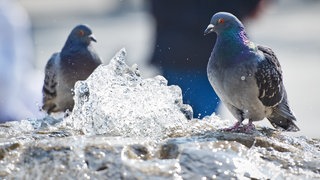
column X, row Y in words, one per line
column 76, row 61
column 247, row 77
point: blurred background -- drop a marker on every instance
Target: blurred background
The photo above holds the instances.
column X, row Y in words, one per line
column 290, row 27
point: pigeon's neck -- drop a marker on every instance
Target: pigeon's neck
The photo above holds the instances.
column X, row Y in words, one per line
column 233, row 43
column 72, row 47
column 235, row 38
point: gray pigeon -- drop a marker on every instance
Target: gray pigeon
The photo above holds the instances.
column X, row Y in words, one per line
column 247, row 77
column 76, row 61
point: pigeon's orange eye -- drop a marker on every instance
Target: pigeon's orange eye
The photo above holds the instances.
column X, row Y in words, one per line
column 220, row 20
column 81, row 32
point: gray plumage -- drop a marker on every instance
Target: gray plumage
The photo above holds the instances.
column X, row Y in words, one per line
column 247, row 77
column 76, row 61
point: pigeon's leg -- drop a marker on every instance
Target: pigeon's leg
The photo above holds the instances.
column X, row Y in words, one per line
column 249, row 128
column 239, row 115
column 233, row 128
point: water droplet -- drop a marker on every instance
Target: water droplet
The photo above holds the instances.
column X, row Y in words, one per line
column 243, row 78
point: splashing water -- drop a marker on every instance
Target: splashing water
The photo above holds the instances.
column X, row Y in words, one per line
column 117, row 101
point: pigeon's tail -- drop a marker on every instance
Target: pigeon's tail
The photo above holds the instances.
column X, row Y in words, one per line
column 282, row 117
column 283, row 123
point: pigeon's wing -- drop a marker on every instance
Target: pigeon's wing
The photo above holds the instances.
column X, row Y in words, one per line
column 269, row 78
column 272, row 92
column 49, row 89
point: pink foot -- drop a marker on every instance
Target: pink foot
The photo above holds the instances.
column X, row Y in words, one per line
column 234, row 128
column 249, row 128
column 238, row 127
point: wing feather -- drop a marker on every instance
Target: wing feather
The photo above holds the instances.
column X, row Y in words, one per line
column 49, row 89
column 269, row 78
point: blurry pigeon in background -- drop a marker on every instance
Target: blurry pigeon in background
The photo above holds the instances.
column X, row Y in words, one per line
column 247, row 77
column 76, row 61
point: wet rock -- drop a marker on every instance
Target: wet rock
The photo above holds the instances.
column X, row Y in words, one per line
column 169, row 151
column 5, row 148
column 138, row 151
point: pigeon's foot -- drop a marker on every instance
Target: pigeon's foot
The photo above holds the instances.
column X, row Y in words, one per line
column 234, row 128
column 248, row 128
column 240, row 128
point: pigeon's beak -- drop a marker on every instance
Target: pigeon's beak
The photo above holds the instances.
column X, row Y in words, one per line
column 92, row 38
column 209, row 29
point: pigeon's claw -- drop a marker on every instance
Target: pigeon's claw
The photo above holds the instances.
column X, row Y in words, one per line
column 233, row 128
column 240, row 128
column 248, row 128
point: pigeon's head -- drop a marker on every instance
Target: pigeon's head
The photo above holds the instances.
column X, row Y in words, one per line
column 223, row 21
column 82, row 34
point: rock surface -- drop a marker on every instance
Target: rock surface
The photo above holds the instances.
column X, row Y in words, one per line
column 127, row 127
